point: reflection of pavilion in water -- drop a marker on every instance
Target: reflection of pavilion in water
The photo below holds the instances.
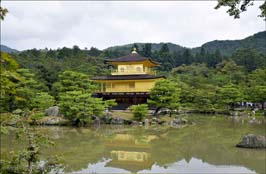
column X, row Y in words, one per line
column 130, row 153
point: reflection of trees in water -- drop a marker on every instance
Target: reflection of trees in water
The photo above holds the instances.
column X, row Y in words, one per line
column 78, row 147
column 213, row 142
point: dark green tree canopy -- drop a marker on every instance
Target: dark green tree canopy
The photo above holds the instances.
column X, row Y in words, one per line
column 146, row 50
column 139, row 111
column 3, row 12
column 165, row 94
column 236, row 7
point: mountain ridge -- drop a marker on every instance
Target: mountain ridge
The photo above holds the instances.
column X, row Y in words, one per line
column 7, row 49
column 226, row 47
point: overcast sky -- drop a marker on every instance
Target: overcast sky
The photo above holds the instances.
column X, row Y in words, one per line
column 102, row 24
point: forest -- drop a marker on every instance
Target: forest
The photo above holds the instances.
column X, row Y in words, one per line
column 220, row 77
column 33, row 80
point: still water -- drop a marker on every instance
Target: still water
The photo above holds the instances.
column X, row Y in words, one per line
column 206, row 147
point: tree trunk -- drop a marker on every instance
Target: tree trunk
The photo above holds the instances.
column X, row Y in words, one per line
column 156, row 111
column 232, row 106
column 10, row 103
column 29, row 167
column 31, row 150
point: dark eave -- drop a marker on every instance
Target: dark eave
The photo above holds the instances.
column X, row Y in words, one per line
column 133, row 57
column 127, row 77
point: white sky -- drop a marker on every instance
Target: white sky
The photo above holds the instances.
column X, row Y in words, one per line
column 55, row 24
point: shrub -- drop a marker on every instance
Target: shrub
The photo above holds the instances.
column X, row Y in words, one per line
column 139, row 111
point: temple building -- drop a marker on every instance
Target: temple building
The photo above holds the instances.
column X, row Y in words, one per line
column 131, row 80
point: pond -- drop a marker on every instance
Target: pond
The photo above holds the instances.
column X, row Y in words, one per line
column 206, row 147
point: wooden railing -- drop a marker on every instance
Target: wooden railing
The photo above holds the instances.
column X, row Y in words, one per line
column 123, row 90
column 127, row 72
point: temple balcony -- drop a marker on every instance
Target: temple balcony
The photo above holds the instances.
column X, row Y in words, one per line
column 132, row 72
column 111, row 90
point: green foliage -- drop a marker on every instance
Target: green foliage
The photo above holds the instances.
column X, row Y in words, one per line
column 164, row 49
column 48, row 64
column 42, row 100
column 204, row 100
column 8, row 79
column 74, row 97
column 139, row 111
column 200, row 98
column 228, row 47
column 28, row 160
column 249, row 58
column 27, row 90
column 195, row 75
column 80, row 107
column 263, row 10
column 229, row 95
column 110, row 103
column 146, row 50
column 165, row 94
column 257, row 85
column 72, row 81
column 3, row 130
column 257, row 77
column 94, row 52
column 257, row 94
column 8, row 63
column 20, row 89
column 208, row 89
column 35, row 115
column 228, row 72
column 199, row 72
column 3, row 12
column 236, row 7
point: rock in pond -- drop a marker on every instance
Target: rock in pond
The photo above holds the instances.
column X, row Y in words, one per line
column 154, row 119
column 134, row 123
column 51, row 120
column 117, row 120
column 52, row 111
column 96, row 120
column 252, row 141
column 106, row 119
column 146, row 122
column 120, row 120
column 179, row 120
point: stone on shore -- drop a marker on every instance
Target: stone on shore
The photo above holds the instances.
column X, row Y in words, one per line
column 252, row 141
column 146, row 122
column 52, row 111
column 117, row 120
column 52, row 120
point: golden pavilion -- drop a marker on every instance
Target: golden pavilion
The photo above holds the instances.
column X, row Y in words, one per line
column 131, row 80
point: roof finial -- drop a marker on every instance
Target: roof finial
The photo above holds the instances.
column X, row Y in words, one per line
column 134, row 51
